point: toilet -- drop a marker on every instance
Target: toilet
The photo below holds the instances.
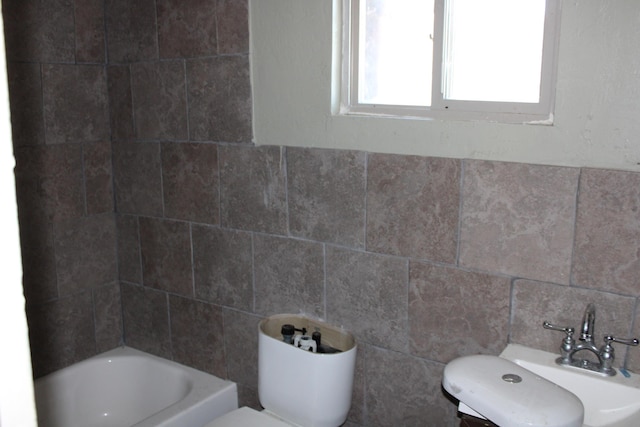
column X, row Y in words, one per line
column 305, row 375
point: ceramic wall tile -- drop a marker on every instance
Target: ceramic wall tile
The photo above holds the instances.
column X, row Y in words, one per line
column 190, row 182
column 518, row 219
column 367, row 294
column 289, row 276
column 131, row 29
column 608, row 231
column 166, row 255
column 233, row 26
column 186, row 28
column 107, row 306
column 405, row 391
column 61, row 333
column 412, row 206
column 145, row 314
column 159, row 100
column 25, row 95
column 85, row 251
column 90, row 31
column 453, row 312
column 75, row 103
column 326, row 193
column 37, row 31
column 137, row 170
column 120, row 102
column 219, row 99
column 98, row 178
column 241, row 347
column 223, row 266
column 253, row 188
column 197, row 338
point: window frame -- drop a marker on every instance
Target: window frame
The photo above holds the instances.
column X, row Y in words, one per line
column 504, row 112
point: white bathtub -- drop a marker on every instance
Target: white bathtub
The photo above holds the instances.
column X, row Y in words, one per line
column 126, row 387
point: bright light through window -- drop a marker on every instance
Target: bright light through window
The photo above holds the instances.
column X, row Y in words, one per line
column 493, row 50
column 396, row 62
column 428, row 57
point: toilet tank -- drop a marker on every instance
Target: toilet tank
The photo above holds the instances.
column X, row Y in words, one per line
column 300, row 386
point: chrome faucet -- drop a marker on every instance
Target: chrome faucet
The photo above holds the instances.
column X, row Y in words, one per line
column 569, row 347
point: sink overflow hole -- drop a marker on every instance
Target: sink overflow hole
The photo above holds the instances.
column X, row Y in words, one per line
column 512, row 378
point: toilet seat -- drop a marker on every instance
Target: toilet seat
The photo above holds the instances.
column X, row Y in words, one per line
column 246, row 417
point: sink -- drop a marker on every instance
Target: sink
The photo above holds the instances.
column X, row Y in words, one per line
column 608, row 401
column 510, row 395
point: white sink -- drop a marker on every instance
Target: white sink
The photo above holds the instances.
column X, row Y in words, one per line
column 608, row 401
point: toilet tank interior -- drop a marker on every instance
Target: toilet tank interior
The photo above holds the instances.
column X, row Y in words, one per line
column 336, row 337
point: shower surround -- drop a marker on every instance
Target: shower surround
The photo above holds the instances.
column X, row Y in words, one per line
column 148, row 216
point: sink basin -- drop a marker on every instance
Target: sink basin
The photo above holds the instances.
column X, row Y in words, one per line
column 608, row 401
column 508, row 394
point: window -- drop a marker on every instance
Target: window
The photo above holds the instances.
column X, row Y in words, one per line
column 474, row 59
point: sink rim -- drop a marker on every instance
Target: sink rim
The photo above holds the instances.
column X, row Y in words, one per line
column 543, row 363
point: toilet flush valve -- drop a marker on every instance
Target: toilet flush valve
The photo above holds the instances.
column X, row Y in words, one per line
column 305, row 342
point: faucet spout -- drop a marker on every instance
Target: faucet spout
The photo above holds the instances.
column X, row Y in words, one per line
column 588, row 322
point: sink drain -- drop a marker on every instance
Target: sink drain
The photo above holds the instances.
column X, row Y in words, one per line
column 512, row 378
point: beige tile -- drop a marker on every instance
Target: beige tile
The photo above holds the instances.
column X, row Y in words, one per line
column 454, row 313
column 367, row 294
column 518, row 219
column 326, row 193
column 412, row 206
column 608, row 232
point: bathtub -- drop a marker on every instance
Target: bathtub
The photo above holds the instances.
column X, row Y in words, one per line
column 125, row 387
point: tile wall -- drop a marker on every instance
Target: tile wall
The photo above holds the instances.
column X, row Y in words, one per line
column 203, row 234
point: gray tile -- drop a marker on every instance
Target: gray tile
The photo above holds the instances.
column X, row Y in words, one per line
column 367, row 294
column 197, row 336
column 190, row 182
column 131, row 26
column 120, row 102
column 241, row 342
column 253, row 188
column 607, row 232
column 145, row 314
column 326, row 191
column 75, row 102
column 138, row 178
column 405, row 391
column 159, row 100
column 288, row 276
column 49, row 182
column 98, row 177
column 166, row 255
column 186, row 28
column 61, row 333
column 108, row 316
column 233, row 26
column 129, row 257
column 38, row 31
column 518, row 219
column 219, row 99
column 223, row 266
column 412, row 206
column 454, row 313
column 90, row 31
column 85, row 253
column 536, row 302
column 25, row 94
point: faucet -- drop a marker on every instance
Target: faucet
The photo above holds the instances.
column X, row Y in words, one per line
column 569, row 347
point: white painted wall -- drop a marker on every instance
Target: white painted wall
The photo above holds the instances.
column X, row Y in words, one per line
column 597, row 114
column 16, row 386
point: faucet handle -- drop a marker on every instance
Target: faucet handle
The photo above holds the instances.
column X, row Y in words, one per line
column 567, row 330
column 626, row 341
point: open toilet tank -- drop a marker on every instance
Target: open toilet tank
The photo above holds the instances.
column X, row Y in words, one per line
column 302, row 386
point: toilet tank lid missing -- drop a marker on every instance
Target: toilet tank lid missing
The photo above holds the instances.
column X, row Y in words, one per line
column 334, row 336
